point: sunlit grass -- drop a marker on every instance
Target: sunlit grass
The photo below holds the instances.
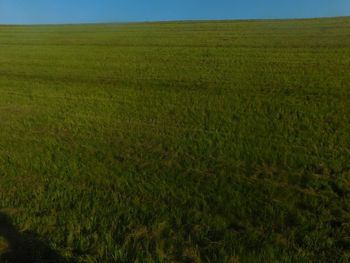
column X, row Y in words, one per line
column 178, row 142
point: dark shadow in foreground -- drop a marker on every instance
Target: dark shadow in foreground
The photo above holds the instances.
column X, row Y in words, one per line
column 24, row 247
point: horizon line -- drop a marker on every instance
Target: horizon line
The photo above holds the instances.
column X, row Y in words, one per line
column 171, row 21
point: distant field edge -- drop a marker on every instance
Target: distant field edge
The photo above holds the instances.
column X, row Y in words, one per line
column 180, row 21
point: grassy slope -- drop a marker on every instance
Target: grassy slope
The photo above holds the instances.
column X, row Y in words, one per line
column 212, row 141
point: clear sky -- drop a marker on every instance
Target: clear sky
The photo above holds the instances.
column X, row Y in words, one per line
column 85, row 11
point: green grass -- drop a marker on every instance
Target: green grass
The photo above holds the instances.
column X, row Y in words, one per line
column 223, row 141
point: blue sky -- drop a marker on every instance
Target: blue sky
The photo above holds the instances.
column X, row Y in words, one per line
column 85, row 11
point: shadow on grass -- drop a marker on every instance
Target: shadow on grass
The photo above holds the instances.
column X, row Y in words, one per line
column 24, row 247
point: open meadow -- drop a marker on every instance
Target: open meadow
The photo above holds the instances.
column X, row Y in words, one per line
column 221, row 141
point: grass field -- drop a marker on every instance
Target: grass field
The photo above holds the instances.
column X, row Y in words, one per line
column 224, row 141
